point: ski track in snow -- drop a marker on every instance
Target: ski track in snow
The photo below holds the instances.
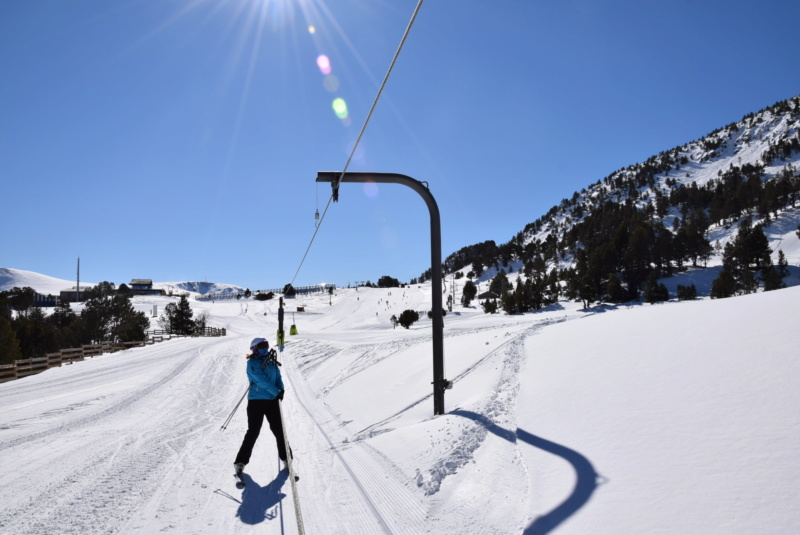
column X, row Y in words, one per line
column 99, row 478
column 357, row 470
column 500, row 409
column 460, row 448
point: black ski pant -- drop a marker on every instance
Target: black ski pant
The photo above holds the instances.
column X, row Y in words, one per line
column 257, row 409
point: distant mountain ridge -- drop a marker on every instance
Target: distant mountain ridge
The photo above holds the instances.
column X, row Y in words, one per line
column 43, row 284
column 206, row 287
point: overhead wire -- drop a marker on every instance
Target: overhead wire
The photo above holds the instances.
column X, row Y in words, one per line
column 335, row 185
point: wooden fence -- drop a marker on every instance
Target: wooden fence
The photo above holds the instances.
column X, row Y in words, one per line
column 299, row 290
column 26, row 367
column 208, row 331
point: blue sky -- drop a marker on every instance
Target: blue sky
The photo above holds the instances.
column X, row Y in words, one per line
column 180, row 140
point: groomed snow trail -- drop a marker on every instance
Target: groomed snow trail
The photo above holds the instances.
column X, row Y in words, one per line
column 553, row 425
column 95, row 440
column 131, row 442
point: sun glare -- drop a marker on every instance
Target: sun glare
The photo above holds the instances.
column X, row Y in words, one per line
column 258, row 32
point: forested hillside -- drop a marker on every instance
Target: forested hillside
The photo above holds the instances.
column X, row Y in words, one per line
column 613, row 240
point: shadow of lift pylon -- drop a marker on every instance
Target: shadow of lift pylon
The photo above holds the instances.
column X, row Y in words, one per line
column 440, row 384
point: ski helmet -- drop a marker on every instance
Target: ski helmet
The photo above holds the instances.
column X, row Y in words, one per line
column 256, row 341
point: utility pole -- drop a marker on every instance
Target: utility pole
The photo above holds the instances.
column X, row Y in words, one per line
column 440, row 384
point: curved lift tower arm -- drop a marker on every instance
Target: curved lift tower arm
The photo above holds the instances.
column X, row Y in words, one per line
column 440, row 384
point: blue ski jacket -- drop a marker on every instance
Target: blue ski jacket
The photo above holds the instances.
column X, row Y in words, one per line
column 265, row 381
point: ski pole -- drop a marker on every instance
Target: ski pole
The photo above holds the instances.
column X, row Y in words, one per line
column 225, row 425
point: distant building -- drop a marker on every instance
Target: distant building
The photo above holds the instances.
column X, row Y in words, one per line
column 70, row 295
column 40, row 300
column 144, row 287
column 141, row 284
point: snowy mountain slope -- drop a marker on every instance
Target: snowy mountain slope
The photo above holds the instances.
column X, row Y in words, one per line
column 769, row 139
column 20, row 278
column 672, row 418
column 201, row 288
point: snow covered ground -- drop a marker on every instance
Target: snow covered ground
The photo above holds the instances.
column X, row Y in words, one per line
column 672, row 418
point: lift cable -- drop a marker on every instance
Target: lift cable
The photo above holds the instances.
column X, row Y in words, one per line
column 335, row 185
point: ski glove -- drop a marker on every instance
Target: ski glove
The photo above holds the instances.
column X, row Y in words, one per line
column 280, row 395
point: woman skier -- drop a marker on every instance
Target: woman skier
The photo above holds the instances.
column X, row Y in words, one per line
column 266, row 391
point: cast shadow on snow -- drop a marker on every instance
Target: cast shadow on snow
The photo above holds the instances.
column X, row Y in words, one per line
column 586, row 476
column 260, row 503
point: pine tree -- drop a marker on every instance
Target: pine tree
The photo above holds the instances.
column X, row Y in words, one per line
column 499, row 284
column 183, row 323
column 686, row 293
column 388, row 282
column 508, row 302
column 177, row 318
column 468, row 293
column 747, row 253
column 130, row 325
column 201, row 322
column 783, row 264
column 114, row 319
column 408, row 318
column 655, row 292
column 9, row 345
column 772, row 279
column 637, row 256
column 723, row 286
column 615, row 293
column 124, row 290
column 22, row 299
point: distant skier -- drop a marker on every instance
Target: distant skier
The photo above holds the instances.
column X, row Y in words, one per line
column 266, row 389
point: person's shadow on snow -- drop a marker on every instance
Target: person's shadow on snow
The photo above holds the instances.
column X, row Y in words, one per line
column 261, row 503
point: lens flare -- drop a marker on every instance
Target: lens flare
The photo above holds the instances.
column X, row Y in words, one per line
column 331, row 83
column 340, row 108
column 370, row 189
column 311, row 29
column 324, row 64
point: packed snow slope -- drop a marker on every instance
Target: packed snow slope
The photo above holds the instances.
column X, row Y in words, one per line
column 673, row 418
column 43, row 284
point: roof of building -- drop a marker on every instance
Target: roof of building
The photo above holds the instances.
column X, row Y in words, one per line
column 75, row 289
